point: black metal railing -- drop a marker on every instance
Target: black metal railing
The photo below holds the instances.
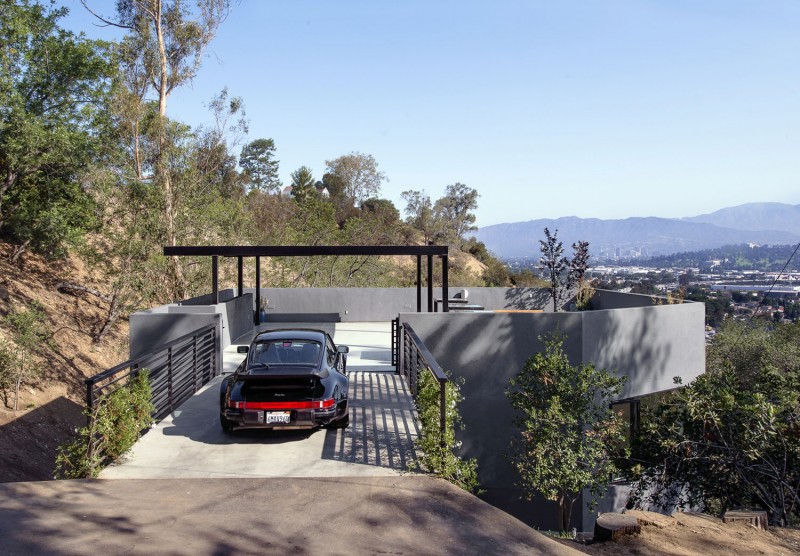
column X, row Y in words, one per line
column 415, row 359
column 396, row 344
column 177, row 370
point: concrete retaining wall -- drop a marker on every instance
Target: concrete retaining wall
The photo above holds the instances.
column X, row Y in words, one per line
column 155, row 327
column 151, row 329
column 649, row 345
column 383, row 304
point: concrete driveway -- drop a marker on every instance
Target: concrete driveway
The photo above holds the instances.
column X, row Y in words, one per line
column 379, row 441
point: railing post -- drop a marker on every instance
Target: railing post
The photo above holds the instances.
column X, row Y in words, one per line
column 258, row 292
column 442, row 410
column 214, row 280
column 89, row 400
column 169, row 378
column 194, row 361
column 240, row 277
column 445, row 285
column 419, row 283
column 403, row 353
column 430, row 283
column 215, row 350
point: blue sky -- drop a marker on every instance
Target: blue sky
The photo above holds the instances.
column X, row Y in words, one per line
column 595, row 109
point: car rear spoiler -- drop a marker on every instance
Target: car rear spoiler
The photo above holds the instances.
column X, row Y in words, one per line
column 269, row 376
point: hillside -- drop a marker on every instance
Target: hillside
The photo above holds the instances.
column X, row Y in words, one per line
column 50, row 409
column 766, row 223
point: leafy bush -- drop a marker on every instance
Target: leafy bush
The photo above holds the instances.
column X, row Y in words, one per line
column 731, row 438
column 569, row 437
column 435, row 450
column 114, row 426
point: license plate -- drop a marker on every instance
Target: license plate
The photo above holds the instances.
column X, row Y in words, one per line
column 277, row 416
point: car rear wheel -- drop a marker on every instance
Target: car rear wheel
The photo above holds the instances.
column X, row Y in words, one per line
column 341, row 423
column 227, row 425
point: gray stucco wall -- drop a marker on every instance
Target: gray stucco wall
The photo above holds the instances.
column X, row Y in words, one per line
column 607, row 299
column 383, row 304
column 155, row 327
column 650, row 345
column 151, row 329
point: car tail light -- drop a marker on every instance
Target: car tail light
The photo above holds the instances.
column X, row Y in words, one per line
column 318, row 404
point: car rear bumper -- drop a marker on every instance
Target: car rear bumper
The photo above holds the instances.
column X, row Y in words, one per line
column 298, row 418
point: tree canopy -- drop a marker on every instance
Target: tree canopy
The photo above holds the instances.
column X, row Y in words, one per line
column 54, row 87
column 260, row 166
column 731, row 438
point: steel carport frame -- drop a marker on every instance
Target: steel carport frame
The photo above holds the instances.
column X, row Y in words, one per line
column 258, row 251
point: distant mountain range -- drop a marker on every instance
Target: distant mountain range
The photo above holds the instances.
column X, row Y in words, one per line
column 761, row 223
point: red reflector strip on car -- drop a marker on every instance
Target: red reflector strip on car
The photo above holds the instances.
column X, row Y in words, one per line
column 320, row 404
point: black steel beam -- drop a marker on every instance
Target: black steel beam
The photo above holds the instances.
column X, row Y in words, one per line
column 302, row 250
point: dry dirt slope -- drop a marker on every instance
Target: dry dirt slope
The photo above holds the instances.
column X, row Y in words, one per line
column 696, row 535
column 50, row 409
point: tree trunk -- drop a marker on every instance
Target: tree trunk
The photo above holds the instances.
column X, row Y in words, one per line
column 5, row 186
column 564, row 511
column 111, row 318
column 19, row 250
column 162, row 169
column 61, row 286
column 16, row 391
column 612, row 526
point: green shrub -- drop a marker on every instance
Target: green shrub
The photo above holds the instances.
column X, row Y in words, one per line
column 114, row 426
column 731, row 438
column 434, row 449
column 18, row 362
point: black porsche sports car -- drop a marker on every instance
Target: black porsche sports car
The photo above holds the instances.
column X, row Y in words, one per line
column 290, row 379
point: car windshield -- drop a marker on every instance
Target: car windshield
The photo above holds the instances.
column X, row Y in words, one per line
column 285, row 352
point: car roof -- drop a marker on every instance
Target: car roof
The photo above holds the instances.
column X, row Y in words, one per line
column 291, row 334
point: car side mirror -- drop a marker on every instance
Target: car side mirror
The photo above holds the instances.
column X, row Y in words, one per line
column 342, row 349
column 242, row 349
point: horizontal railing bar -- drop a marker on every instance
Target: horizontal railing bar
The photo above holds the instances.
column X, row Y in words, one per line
column 133, row 362
column 429, row 359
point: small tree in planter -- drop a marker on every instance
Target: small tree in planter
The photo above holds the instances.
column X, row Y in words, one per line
column 562, row 273
column 569, row 438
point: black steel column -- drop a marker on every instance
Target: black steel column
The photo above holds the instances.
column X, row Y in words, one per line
column 240, row 282
column 445, row 289
column 214, row 279
column 419, row 283
column 430, row 283
column 258, row 289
